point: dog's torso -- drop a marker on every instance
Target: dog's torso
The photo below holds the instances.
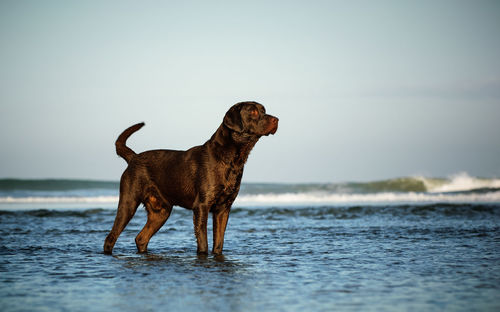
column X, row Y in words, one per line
column 208, row 174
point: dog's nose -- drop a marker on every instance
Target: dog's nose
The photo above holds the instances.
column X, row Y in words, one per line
column 274, row 120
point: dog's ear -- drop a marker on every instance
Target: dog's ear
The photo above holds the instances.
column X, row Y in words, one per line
column 232, row 119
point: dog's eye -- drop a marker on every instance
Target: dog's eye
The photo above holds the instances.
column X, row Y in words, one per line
column 254, row 113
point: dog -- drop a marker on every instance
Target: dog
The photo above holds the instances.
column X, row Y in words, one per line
column 204, row 179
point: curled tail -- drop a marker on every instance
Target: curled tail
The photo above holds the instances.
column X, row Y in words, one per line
column 121, row 149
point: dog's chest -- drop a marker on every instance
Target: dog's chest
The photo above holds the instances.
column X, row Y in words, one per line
column 229, row 186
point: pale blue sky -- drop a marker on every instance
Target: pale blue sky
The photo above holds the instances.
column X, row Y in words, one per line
column 364, row 90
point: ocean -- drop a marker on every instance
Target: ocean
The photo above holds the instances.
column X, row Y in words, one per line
column 406, row 244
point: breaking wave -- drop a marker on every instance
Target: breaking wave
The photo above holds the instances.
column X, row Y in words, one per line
column 460, row 188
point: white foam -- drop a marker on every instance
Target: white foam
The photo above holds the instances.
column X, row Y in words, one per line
column 463, row 182
column 380, row 198
column 58, row 200
column 68, row 202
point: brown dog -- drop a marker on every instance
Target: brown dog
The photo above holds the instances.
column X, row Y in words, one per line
column 205, row 178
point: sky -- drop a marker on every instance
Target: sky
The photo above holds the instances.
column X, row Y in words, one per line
column 364, row 90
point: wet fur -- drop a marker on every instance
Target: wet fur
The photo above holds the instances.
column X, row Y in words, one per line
column 205, row 178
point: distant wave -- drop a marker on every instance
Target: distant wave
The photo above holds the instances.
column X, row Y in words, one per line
column 461, row 182
column 460, row 188
column 456, row 183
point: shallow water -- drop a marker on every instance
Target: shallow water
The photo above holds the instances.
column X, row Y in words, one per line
column 429, row 257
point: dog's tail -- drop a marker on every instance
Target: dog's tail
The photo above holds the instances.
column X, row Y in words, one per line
column 123, row 150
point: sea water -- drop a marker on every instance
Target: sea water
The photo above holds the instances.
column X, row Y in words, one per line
column 409, row 244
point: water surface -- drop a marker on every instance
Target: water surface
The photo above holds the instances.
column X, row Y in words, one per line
column 413, row 257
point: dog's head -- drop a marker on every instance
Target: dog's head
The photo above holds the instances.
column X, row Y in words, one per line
column 249, row 119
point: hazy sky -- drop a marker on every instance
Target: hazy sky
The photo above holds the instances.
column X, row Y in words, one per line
column 364, row 90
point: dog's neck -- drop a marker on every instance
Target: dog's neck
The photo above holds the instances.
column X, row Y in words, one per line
column 234, row 147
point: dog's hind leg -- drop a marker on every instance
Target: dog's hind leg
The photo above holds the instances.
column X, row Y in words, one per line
column 158, row 210
column 127, row 206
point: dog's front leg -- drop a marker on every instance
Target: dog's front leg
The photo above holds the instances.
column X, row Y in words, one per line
column 200, row 218
column 219, row 224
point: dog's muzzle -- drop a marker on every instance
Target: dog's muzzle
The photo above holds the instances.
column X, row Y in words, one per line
column 273, row 125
